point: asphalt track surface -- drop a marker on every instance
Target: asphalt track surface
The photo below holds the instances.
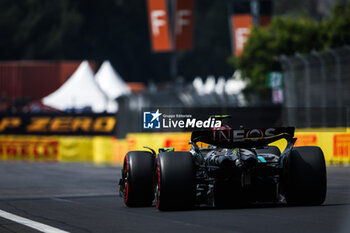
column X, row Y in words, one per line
column 83, row 198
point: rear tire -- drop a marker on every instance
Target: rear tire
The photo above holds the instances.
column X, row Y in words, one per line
column 138, row 179
column 176, row 181
column 305, row 176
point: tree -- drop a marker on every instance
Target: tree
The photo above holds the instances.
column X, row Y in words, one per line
column 287, row 36
column 117, row 30
column 337, row 29
column 38, row 29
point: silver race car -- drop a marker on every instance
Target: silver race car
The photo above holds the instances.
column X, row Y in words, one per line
column 236, row 168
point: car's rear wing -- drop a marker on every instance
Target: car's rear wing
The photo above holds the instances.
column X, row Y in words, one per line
column 242, row 138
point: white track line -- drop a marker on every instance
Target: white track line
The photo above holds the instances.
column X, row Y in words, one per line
column 36, row 225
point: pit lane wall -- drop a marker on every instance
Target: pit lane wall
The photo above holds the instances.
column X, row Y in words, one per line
column 335, row 144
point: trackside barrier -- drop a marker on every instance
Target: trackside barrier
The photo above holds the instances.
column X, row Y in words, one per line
column 29, row 148
column 102, row 150
column 335, row 144
column 57, row 148
column 120, row 148
column 137, row 141
column 75, row 149
column 179, row 141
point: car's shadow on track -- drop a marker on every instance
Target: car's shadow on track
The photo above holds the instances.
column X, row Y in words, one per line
column 251, row 206
column 265, row 206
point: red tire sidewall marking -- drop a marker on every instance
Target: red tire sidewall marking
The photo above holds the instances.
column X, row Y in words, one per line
column 127, row 183
column 158, row 171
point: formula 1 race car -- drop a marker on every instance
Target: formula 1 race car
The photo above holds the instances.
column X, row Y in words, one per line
column 236, row 168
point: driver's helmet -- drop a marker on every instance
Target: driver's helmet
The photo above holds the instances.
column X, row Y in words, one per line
column 223, row 126
column 221, row 118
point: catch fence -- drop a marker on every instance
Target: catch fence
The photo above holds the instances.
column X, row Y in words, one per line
column 317, row 88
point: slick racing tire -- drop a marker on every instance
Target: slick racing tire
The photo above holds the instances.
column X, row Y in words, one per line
column 269, row 150
column 138, row 179
column 306, row 178
column 176, row 187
